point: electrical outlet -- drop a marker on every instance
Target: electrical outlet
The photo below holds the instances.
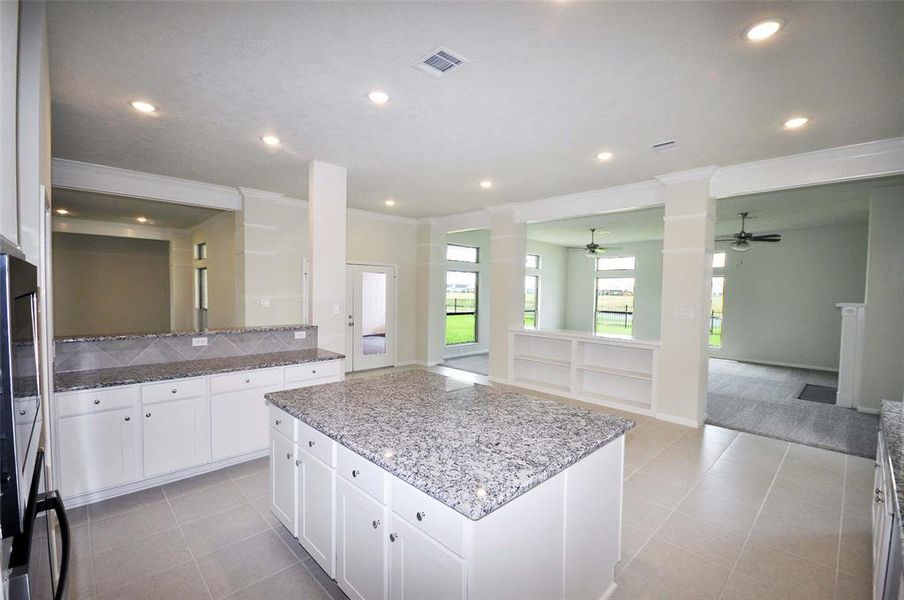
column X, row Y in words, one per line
column 199, row 341
column 300, row 335
column 265, row 302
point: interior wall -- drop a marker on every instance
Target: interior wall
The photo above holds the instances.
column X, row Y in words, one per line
column 108, row 285
column 581, row 285
column 9, row 38
column 479, row 238
column 182, row 293
column 883, row 336
column 779, row 303
column 553, row 274
column 379, row 241
column 219, row 234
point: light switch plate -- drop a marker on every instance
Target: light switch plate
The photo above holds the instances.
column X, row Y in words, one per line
column 199, row 341
column 336, row 308
column 300, row 335
column 684, row 313
column 265, row 302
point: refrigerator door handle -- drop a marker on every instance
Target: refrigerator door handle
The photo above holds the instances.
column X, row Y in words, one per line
column 53, row 501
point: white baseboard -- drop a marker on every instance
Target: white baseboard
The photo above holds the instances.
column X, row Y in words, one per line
column 869, row 411
column 609, row 591
column 463, row 354
column 680, row 420
column 137, row 486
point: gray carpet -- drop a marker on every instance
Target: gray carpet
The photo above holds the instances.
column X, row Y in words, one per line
column 477, row 363
column 763, row 400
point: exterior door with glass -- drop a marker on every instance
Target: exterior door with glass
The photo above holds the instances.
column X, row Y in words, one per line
column 370, row 335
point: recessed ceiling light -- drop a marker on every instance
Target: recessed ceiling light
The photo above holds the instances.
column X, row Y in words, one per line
column 486, row 184
column 796, row 122
column 604, row 156
column 390, row 202
column 378, row 97
column 270, row 140
column 763, row 30
column 142, row 219
column 144, row 107
column 62, row 211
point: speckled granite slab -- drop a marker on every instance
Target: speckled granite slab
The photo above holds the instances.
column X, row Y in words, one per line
column 98, row 378
column 472, row 447
column 891, row 423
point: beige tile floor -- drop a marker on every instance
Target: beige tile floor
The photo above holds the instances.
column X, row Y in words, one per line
column 708, row 513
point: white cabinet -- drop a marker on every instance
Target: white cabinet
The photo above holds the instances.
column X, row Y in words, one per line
column 283, row 481
column 316, row 505
column 361, row 540
column 97, row 450
column 238, row 422
column 420, row 568
column 174, row 435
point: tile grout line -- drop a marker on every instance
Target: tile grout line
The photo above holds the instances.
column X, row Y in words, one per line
column 185, row 539
column 840, row 527
column 756, row 519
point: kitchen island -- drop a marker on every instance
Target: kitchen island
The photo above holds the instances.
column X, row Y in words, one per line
column 415, row 485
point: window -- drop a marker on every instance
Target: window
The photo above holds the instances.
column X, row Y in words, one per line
column 718, row 260
column 531, row 261
column 615, row 263
column 201, row 297
column 614, row 307
column 461, row 307
column 458, row 253
column 201, row 251
column 715, row 315
column 531, row 296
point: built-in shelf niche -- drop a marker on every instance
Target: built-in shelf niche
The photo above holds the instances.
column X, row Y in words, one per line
column 552, row 350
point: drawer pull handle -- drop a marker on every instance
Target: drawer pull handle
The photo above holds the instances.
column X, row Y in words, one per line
column 278, row 422
column 23, row 412
column 314, row 371
column 311, row 443
column 173, row 391
column 97, row 400
column 289, row 455
column 247, row 381
column 377, row 523
column 148, row 415
column 128, row 418
column 355, row 472
column 393, row 537
column 298, row 462
column 879, row 498
column 420, row 516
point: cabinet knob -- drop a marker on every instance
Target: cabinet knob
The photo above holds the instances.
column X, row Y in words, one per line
column 128, row 418
column 314, row 371
column 247, row 381
column 393, row 537
column 377, row 523
column 311, row 443
column 420, row 516
column 23, row 412
column 97, row 400
column 355, row 472
column 148, row 415
column 278, row 421
column 289, row 455
column 173, row 391
column 298, row 462
column 878, row 491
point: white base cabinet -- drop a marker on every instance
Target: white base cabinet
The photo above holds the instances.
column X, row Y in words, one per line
column 560, row 540
column 283, row 479
column 175, row 435
column 97, row 450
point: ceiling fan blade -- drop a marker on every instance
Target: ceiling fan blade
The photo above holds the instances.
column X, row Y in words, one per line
column 766, row 236
column 607, row 248
column 725, row 238
column 757, row 239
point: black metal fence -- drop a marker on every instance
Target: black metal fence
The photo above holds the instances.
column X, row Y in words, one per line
column 614, row 318
column 715, row 322
column 461, row 306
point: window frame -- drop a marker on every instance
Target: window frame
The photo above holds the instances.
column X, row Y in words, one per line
column 476, row 250
column 527, row 266
column 536, row 309
column 623, row 273
column 476, row 312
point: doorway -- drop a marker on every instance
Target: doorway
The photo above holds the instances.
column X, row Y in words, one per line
column 370, row 335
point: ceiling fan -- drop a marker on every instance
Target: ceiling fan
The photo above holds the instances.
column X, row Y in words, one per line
column 592, row 250
column 742, row 239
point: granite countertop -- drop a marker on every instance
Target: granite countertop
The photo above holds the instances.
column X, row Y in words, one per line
column 99, row 378
column 891, row 424
column 472, row 447
column 183, row 333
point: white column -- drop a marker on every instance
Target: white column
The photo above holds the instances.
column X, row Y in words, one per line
column 431, row 290
column 507, row 248
column 327, row 249
column 686, row 296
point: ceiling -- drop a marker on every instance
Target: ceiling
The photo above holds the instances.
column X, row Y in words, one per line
column 824, row 206
column 120, row 209
column 548, row 86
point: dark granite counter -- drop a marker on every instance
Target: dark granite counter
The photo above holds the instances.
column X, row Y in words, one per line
column 891, row 424
column 98, row 378
column 186, row 333
column 472, row 447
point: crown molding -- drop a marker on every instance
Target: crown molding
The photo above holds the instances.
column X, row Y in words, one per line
column 248, row 192
column 88, row 177
column 687, row 176
column 63, row 224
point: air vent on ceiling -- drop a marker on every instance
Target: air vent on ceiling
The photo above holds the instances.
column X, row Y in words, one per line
column 666, row 146
column 440, row 62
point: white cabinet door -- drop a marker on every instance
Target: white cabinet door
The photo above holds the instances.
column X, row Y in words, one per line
column 97, row 450
column 316, row 503
column 239, row 422
column 283, row 481
column 420, row 568
column 360, row 543
column 175, row 435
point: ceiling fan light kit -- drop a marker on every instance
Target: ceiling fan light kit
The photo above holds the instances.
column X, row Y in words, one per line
column 593, row 250
column 742, row 239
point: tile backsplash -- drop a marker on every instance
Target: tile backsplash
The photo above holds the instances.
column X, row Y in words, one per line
column 120, row 351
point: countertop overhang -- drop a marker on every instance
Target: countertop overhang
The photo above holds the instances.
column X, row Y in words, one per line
column 110, row 377
column 472, row 447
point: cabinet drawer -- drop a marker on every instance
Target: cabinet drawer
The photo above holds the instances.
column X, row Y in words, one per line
column 316, row 443
column 362, row 473
column 172, row 390
column 246, row 380
column 311, row 371
column 284, row 423
column 88, row 401
column 430, row 516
